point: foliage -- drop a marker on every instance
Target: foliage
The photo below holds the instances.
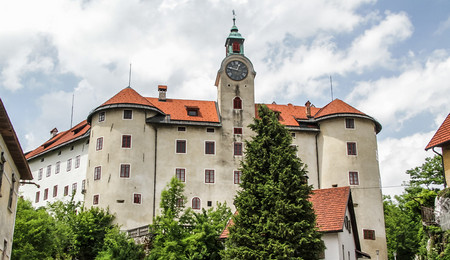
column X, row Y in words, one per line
column 429, row 173
column 275, row 220
column 118, row 245
column 34, row 233
column 180, row 233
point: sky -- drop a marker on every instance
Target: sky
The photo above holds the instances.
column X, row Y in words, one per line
column 389, row 59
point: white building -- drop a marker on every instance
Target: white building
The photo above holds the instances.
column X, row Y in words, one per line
column 138, row 143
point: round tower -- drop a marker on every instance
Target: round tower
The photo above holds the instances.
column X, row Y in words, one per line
column 120, row 172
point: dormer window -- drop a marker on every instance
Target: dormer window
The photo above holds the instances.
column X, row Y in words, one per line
column 192, row 111
column 237, row 103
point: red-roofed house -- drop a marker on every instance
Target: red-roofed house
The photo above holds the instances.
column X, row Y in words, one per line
column 335, row 217
column 442, row 139
column 137, row 144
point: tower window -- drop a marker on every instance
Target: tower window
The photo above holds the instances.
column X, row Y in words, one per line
column 351, row 148
column 237, row 177
column 236, row 47
column 369, row 234
column 181, row 146
column 209, row 147
column 237, row 130
column 128, row 114
column 195, row 203
column 181, row 174
column 353, row 178
column 350, row 123
column 237, row 148
column 97, row 173
column 237, row 103
column 124, row 171
column 126, row 141
column 99, row 145
column 101, row 116
column 209, row 176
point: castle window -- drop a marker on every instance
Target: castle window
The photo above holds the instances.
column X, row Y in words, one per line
column 210, row 130
column 101, row 116
column 95, row 199
column 38, row 194
column 209, row 203
column 195, row 203
column 46, row 194
column 137, row 198
column 97, row 173
column 236, row 47
column 55, row 190
column 126, row 141
column 181, row 146
column 69, row 165
column 351, row 148
column 40, row 174
column 124, row 171
column 99, row 145
column 83, row 185
column 237, row 177
column 237, row 130
column 49, row 171
column 237, row 103
column 209, row 176
column 57, row 167
column 74, row 188
column 128, row 114
column 369, row 234
column 192, row 111
column 353, row 178
column 66, row 190
column 77, row 161
column 179, row 203
column 350, row 123
column 238, row 148
column 181, row 129
column 209, row 147
column 180, row 174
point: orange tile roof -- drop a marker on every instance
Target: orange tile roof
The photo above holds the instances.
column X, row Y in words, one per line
column 442, row 135
column 128, row 96
column 329, row 205
column 177, row 109
column 337, row 106
column 290, row 113
column 60, row 138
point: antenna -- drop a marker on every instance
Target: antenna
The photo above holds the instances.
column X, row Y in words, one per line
column 331, row 85
column 129, row 77
column 234, row 18
column 71, row 115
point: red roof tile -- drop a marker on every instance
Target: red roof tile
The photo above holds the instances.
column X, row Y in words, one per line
column 177, row 109
column 290, row 113
column 337, row 106
column 329, row 205
column 442, row 135
column 128, row 96
column 61, row 138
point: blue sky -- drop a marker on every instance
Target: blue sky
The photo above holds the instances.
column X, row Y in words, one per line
column 390, row 59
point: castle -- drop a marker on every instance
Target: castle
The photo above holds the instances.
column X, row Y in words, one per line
column 129, row 148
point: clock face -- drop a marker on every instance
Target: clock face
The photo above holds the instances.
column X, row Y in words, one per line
column 236, row 70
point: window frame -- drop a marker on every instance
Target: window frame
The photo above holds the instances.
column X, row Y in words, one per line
column 237, row 174
column 97, row 173
column 66, row 190
column 127, row 114
column 74, row 187
column 210, row 177
column 77, row 161
column 48, row 172
column 181, row 129
column 237, row 130
column 180, row 141
column 208, row 149
column 45, row 194
column 95, row 199
column 57, row 167
column 101, row 116
column 125, row 171
column 137, row 196
column 196, row 203
column 237, row 103
column 180, row 174
column 126, row 141
column 55, row 191
column 69, row 165
column 99, row 144
column 37, row 197
column 238, row 149
column 349, row 123
column 369, row 234
column 352, row 149
column 40, row 172
column 353, row 178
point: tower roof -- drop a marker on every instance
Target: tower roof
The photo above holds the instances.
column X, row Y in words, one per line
column 128, row 96
column 442, row 135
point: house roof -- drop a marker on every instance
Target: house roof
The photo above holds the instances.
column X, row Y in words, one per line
column 329, row 205
column 177, row 109
column 289, row 114
column 76, row 132
column 441, row 136
column 12, row 143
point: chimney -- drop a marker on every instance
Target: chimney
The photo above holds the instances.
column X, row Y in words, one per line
column 308, row 109
column 162, row 89
column 54, row 132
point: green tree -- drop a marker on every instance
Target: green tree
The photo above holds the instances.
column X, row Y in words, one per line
column 34, row 233
column 275, row 219
column 118, row 245
column 428, row 174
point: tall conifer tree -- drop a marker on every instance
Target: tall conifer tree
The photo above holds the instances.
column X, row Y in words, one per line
column 275, row 220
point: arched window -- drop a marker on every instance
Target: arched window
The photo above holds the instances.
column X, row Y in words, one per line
column 237, row 103
column 195, row 203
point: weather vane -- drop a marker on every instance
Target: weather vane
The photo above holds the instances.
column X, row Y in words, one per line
column 234, row 18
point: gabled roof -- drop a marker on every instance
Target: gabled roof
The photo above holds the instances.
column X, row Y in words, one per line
column 12, row 143
column 177, row 109
column 329, row 205
column 76, row 132
column 441, row 136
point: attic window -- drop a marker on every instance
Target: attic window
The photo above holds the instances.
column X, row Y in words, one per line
column 192, row 111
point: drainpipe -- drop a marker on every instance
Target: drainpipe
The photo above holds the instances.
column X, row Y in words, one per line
column 154, row 175
column 317, row 161
column 443, row 169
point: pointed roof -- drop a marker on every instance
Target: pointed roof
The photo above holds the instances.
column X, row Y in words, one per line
column 128, row 96
column 441, row 136
column 337, row 106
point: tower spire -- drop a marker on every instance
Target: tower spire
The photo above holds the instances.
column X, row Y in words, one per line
column 234, row 18
column 235, row 41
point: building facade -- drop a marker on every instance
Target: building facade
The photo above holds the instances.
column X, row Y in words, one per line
column 137, row 144
column 13, row 168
